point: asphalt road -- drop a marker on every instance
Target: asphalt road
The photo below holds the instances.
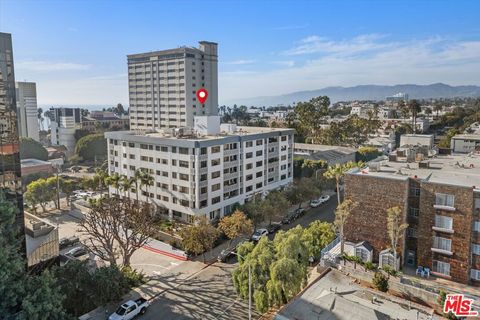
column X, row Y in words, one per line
column 208, row 295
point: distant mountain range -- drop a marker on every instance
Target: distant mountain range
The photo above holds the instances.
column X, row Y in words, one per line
column 366, row 92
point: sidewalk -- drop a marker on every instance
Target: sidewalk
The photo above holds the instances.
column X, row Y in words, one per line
column 151, row 289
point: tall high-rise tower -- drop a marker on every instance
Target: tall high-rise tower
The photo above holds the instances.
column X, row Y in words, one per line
column 27, row 110
column 163, row 85
column 10, row 178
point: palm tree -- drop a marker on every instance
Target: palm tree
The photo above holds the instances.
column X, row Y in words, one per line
column 414, row 107
column 115, row 181
column 136, row 179
column 342, row 213
column 146, row 180
column 337, row 171
column 438, row 107
column 101, row 177
column 127, row 184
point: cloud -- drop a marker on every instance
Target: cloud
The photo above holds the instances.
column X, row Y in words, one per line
column 240, row 62
column 43, row 66
column 365, row 59
column 316, row 44
column 286, row 63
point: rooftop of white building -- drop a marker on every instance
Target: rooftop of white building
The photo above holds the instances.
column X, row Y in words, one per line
column 458, row 170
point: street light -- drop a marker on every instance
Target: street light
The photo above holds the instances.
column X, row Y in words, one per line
column 249, row 287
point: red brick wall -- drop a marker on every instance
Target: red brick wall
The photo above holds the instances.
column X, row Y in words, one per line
column 369, row 220
column 462, row 226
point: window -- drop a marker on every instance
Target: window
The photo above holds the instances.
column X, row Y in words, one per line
column 443, row 222
column 249, row 155
column 412, row 232
column 203, row 151
column 249, row 188
column 203, row 177
column 273, row 139
column 215, row 174
column 259, row 142
column 183, row 150
column 216, row 200
column 215, row 162
column 475, row 274
column 131, row 156
column 174, row 162
column 415, row 192
column 216, row 187
column 259, row 153
column 259, row 174
column 476, row 249
column 249, row 177
column 413, row 212
column 203, row 164
column 259, row 185
column 442, row 243
column 183, row 164
column 284, row 138
column 476, row 226
column 183, row 176
column 174, row 175
column 164, row 149
column 248, row 144
column 249, row 166
column 259, row 164
column 215, row 149
column 443, row 199
column 441, row 267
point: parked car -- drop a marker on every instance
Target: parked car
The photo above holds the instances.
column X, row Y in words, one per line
column 299, row 212
column 289, row 218
column 259, row 233
column 274, row 227
column 68, row 242
column 77, row 252
column 315, row 203
column 226, row 254
column 130, row 309
column 324, row 198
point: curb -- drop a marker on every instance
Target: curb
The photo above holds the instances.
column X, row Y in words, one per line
column 165, row 253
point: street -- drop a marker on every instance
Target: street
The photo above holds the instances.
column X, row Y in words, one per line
column 208, row 295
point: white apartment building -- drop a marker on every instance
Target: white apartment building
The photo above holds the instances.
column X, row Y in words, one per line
column 66, row 121
column 163, row 85
column 465, row 143
column 203, row 170
column 27, row 110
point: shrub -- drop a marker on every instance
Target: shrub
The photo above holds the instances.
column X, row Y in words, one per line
column 369, row 266
column 380, row 281
column 30, row 148
column 389, row 270
column 91, row 146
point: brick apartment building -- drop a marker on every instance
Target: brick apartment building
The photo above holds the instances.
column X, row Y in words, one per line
column 440, row 199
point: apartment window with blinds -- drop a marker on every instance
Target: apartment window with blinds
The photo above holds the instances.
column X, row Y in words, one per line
column 476, row 249
column 443, row 199
column 442, row 243
column 476, row 226
column 441, row 267
column 443, row 222
column 475, row 274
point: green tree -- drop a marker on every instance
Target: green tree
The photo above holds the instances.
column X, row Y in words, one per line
column 310, row 114
column 115, row 181
column 287, row 278
column 317, row 236
column 255, row 210
column 367, row 153
column 445, row 142
column 235, row 225
column 68, row 186
column 337, row 171
column 199, row 237
column 415, row 109
column 275, row 202
column 92, row 146
column 31, row 149
column 396, row 229
column 146, row 180
column 342, row 213
column 39, row 192
column 302, row 190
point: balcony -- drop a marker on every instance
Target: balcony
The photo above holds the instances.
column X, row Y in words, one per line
column 442, row 251
column 441, row 229
column 444, row 207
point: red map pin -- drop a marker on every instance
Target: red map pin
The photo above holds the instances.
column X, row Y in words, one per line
column 202, row 95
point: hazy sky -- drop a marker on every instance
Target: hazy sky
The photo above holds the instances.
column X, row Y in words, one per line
column 76, row 50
